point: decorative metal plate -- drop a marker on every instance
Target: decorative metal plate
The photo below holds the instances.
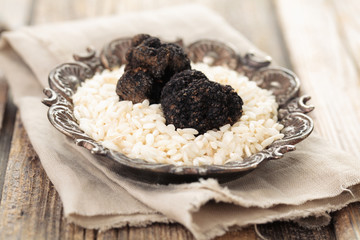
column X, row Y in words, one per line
column 284, row 84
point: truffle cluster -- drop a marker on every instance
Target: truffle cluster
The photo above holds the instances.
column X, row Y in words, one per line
column 191, row 100
column 161, row 73
column 150, row 66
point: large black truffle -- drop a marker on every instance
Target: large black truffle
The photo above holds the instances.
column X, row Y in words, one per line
column 190, row 100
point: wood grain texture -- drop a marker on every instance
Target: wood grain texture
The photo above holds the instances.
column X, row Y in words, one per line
column 289, row 230
column 7, row 117
column 3, row 97
column 30, row 207
column 348, row 20
column 325, row 61
column 348, row 23
column 70, row 10
column 328, row 73
column 346, row 217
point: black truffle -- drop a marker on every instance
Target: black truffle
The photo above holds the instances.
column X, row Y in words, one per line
column 159, row 60
column 148, row 55
column 138, row 39
column 182, row 79
column 134, row 85
column 190, row 100
column 178, row 60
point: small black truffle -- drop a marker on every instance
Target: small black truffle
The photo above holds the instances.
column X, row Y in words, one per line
column 134, row 85
column 138, row 39
column 148, row 55
column 159, row 60
column 178, row 60
column 190, row 100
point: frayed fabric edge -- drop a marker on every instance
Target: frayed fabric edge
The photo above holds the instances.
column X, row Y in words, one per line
column 117, row 221
column 301, row 217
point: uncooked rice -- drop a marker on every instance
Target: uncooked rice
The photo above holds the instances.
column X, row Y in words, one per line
column 139, row 130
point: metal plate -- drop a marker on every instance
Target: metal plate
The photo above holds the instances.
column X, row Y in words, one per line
column 284, row 84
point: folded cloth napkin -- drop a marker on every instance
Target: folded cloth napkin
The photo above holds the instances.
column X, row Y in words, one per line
column 311, row 181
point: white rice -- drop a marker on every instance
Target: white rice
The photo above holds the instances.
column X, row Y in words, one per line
column 139, row 130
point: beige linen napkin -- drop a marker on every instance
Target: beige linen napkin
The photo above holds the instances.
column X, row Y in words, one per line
column 311, row 181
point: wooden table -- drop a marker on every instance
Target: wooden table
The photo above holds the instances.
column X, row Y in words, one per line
column 318, row 40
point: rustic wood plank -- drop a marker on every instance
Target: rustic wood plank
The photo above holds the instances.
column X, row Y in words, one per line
column 70, row 10
column 30, row 207
column 347, row 13
column 261, row 29
column 3, row 97
column 345, row 218
column 113, row 234
column 74, row 232
column 160, row 231
column 176, row 231
column 7, row 117
column 15, row 13
column 327, row 71
column 289, row 230
column 324, row 60
column 44, row 11
column 348, row 25
column 244, row 234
